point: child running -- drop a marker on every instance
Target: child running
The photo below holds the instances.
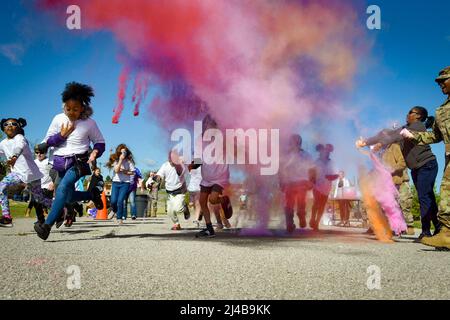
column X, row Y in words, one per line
column 324, row 175
column 215, row 178
column 23, row 168
column 194, row 193
column 46, row 183
column 173, row 172
column 71, row 134
column 295, row 181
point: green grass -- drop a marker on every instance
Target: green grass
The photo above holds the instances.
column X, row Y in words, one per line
column 18, row 209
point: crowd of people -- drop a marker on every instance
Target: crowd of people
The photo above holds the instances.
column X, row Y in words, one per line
column 74, row 142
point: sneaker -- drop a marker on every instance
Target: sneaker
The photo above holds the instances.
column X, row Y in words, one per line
column 111, row 215
column 226, row 207
column 68, row 223
column 187, row 214
column 290, row 228
column 176, row 227
column 133, row 218
column 97, row 198
column 61, row 219
column 423, row 235
column 6, row 221
column 227, row 224
column 205, row 233
column 42, row 230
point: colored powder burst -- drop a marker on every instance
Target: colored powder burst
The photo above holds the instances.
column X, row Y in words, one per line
column 378, row 221
column 386, row 194
column 256, row 59
column 249, row 64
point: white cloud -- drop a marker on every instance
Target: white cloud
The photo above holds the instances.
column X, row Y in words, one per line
column 13, row 51
column 149, row 162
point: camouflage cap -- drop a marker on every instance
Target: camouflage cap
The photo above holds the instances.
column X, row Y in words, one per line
column 443, row 75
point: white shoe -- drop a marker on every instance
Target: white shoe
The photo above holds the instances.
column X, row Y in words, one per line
column 111, row 215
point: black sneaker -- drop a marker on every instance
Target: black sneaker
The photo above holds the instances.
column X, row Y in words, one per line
column 6, row 221
column 423, row 235
column 226, row 207
column 42, row 230
column 187, row 214
column 97, row 198
column 61, row 219
column 205, row 233
column 69, row 222
column 133, row 218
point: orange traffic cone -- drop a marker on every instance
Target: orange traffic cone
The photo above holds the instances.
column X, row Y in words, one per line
column 102, row 214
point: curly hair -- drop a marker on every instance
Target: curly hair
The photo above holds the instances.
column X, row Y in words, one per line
column 21, row 121
column 82, row 93
column 115, row 156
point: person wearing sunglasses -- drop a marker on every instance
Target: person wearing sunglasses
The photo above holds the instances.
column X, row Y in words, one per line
column 24, row 170
column 419, row 159
column 440, row 132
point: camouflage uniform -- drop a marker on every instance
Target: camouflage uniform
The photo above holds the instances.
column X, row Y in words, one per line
column 152, row 204
column 393, row 158
column 441, row 132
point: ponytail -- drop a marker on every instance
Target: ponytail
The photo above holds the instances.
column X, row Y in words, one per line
column 429, row 122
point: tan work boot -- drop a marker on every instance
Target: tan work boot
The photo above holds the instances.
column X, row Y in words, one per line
column 441, row 240
column 410, row 231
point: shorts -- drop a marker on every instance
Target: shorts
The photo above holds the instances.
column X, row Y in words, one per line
column 194, row 196
column 214, row 187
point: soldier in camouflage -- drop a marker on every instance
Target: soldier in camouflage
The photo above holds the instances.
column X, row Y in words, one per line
column 440, row 132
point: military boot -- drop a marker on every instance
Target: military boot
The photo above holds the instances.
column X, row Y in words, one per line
column 440, row 241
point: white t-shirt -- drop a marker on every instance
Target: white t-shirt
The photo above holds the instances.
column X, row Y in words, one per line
column 122, row 177
column 172, row 179
column 323, row 169
column 195, row 180
column 25, row 166
column 295, row 166
column 78, row 142
column 44, row 167
column 215, row 174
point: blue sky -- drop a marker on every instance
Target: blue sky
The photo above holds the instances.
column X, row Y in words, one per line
column 37, row 58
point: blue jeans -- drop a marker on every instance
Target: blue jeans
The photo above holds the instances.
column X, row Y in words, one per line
column 424, row 179
column 66, row 194
column 118, row 196
column 131, row 196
